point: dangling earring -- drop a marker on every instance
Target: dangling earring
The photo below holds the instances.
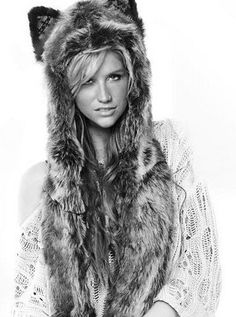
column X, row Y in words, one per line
column 73, row 128
column 72, row 119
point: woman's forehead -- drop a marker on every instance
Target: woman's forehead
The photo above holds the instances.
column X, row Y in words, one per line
column 110, row 61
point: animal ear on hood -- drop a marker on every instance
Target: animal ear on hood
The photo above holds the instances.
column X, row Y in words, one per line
column 41, row 23
column 129, row 7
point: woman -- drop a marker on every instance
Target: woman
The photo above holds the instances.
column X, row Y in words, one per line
column 119, row 214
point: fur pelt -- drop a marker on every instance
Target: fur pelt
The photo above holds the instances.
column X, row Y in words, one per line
column 143, row 182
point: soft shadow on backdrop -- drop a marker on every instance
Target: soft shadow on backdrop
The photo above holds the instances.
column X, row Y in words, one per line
column 192, row 48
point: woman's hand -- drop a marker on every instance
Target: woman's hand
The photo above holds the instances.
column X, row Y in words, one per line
column 161, row 309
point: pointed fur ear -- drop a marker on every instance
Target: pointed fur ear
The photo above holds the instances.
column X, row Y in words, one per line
column 129, row 7
column 135, row 16
column 41, row 23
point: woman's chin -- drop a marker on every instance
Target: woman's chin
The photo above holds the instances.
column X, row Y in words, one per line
column 104, row 123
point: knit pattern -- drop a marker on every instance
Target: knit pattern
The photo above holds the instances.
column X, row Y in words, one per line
column 194, row 285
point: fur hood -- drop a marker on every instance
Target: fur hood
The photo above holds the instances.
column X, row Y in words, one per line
column 143, row 182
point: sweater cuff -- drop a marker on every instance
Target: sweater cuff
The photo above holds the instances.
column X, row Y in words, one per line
column 175, row 301
column 166, row 297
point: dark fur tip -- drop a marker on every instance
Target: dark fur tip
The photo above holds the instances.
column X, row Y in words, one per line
column 37, row 12
column 42, row 11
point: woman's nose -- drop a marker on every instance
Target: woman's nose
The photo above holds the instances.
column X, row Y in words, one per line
column 104, row 95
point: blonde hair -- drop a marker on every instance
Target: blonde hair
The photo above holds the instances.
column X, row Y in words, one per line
column 81, row 68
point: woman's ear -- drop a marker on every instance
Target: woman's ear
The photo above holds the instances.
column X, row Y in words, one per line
column 41, row 23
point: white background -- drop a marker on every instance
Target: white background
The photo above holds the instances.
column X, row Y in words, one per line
column 192, row 48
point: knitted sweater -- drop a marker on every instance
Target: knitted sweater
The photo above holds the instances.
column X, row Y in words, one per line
column 194, row 285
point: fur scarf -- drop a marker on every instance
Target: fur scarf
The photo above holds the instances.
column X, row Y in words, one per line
column 143, row 183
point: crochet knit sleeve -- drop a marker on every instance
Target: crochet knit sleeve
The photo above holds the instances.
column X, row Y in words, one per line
column 30, row 277
column 194, row 285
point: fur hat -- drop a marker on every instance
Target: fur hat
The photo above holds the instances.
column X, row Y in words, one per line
column 143, row 181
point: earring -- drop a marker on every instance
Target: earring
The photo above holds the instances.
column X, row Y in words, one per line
column 72, row 119
column 73, row 128
column 71, row 114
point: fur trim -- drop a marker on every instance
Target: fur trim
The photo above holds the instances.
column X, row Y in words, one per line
column 144, row 183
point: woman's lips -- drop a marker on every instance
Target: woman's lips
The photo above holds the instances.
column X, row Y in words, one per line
column 106, row 111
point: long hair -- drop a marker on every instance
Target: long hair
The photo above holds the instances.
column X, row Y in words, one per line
column 97, row 182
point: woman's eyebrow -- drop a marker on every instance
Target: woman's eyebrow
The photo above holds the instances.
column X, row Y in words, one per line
column 117, row 70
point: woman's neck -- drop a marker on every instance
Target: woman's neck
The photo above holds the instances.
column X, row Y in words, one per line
column 100, row 137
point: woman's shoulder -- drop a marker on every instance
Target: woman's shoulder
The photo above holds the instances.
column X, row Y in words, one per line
column 30, row 190
column 170, row 130
column 174, row 141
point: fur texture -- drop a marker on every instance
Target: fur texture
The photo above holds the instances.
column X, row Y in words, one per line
column 143, row 183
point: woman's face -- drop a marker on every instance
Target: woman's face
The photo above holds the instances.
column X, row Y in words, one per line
column 103, row 98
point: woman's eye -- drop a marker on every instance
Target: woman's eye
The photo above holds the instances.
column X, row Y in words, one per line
column 88, row 82
column 115, row 76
